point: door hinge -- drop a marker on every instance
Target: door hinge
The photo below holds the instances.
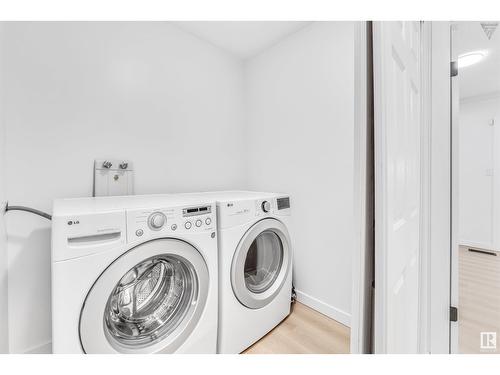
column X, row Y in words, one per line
column 453, row 314
column 454, row 68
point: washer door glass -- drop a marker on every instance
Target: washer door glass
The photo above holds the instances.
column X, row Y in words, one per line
column 263, row 261
column 150, row 300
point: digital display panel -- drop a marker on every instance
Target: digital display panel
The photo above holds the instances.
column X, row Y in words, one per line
column 196, row 211
column 283, row 203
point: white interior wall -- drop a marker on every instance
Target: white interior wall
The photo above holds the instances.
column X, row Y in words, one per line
column 148, row 92
column 173, row 104
column 479, row 168
column 300, row 139
column 4, row 338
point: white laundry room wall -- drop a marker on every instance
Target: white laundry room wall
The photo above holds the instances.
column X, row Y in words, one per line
column 300, row 139
column 479, row 172
column 147, row 92
column 4, row 333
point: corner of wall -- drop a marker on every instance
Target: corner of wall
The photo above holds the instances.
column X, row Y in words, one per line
column 4, row 338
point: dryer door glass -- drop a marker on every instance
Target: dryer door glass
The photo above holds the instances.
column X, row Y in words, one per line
column 263, row 262
column 150, row 300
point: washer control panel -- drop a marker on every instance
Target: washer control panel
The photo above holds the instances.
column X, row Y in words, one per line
column 155, row 222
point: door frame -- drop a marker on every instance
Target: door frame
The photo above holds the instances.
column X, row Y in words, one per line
column 425, row 186
column 454, row 195
column 440, row 191
column 362, row 259
column 436, row 235
column 436, row 185
column 436, row 190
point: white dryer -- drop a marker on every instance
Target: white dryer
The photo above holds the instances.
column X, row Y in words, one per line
column 255, row 265
column 134, row 274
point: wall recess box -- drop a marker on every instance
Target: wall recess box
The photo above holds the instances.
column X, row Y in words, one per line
column 113, row 177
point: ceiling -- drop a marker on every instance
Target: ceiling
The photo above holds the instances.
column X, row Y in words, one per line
column 244, row 39
column 482, row 78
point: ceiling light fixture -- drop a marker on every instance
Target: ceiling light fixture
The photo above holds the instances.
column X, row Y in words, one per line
column 470, row 58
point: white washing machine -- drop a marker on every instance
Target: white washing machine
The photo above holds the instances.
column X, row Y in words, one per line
column 134, row 274
column 255, row 265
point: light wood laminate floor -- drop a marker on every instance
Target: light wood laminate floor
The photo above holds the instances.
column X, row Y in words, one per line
column 479, row 299
column 304, row 331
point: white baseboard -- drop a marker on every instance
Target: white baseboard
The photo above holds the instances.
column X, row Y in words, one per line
column 41, row 349
column 324, row 308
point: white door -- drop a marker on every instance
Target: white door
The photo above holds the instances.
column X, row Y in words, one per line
column 397, row 97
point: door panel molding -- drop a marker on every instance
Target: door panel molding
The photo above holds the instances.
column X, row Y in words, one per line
column 397, row 99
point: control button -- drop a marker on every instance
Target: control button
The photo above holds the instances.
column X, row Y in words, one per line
column 156, row 220
column 266, row 206
column 188, row 225
column 139, row 232
column 107, row 164
column 198, row 223
column 208, row 221
column 174, row 227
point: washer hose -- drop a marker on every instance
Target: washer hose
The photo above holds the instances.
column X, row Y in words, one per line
column 28, row 209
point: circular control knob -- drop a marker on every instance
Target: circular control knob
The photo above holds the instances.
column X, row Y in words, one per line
column 156, row 220
column 266, row 206
column 208, row 221
column 188, row 225
column 198, row 223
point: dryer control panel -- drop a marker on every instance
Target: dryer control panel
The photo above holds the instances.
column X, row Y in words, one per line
column 279, row 206
column 171, row 221
column 239, row 212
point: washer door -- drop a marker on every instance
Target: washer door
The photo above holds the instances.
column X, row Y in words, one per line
column 148, row 300
column 261, row 263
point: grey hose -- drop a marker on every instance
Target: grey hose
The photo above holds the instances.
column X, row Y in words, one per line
column 28, row 209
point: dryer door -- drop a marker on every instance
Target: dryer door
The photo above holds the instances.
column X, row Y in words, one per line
column 148, row 300
column 261, row 263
